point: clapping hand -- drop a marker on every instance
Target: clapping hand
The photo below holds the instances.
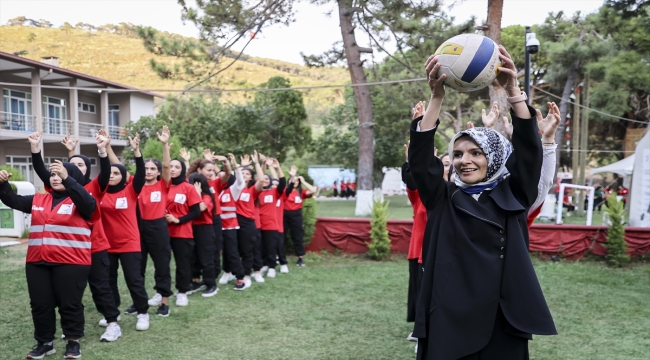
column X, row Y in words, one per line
column 69, row 144
column 490, row 119
column 549, row 124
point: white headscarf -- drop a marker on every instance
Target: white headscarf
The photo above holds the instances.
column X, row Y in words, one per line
column 496, row 148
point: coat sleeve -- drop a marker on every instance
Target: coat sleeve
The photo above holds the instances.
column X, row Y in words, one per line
column 426, row 168
column 525, row 164
column 407, row 178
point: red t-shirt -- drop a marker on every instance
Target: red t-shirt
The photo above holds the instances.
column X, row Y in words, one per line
column 179, row 199
column 419, row 224
column 98, row 236
column 153, row 200
column 246, row 202
column 279, row 211
column 344, row 186
column 120, row 221
column 268, row 211
column 216, row 186
column 294, row 200
column 206, row 215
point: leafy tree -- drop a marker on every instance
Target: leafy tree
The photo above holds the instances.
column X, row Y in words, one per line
column 616, row 245
column 379, row 247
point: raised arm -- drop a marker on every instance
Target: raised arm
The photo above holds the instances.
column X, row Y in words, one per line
column 104, row 162
column 37, row 160
column 227, row 170
column 166, row 157
column 109, row 150
column 139, row 177
column 259, row 185
column 282, row 181
column 311, row 190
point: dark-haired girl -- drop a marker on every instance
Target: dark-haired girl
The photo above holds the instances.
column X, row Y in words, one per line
column 269, row 215
column 182, row 208
column 154, row 234
column 293, row 222
column 204, row 238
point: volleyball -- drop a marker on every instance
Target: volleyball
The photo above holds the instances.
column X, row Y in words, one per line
column 470, row 61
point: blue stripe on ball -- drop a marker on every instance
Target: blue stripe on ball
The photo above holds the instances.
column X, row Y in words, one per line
column 479, row 62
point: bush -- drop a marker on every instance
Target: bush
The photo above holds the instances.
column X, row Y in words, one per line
column 308, row 222
column 379, row 248
column 616, row 246
column 16, row 175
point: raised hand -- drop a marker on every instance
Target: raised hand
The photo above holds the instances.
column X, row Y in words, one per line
column 507, row 77
column 255, row 157
column 268, row 161
column 276, row 163
column 185, row 155
column 470, row 125
column 418, row 110
column 135, row 142
column 208, row 155
column 490, row 119
column 293, row 171
column 4, row 176
column 69, row 144
column 233, row 160
column 59, row 169
column 103, row 132
column 549, row 124
column 164, row 137
column 246, row 160
column 436, row 83
column 102, row 142
column 35, row 141
column 507, row 126
column 220, row 158
column 197, row 187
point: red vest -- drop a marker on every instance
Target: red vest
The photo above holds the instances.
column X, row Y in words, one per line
column 60, row 235
column 228, row 211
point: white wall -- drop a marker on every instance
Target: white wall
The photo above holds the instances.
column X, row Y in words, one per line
column 141, row 105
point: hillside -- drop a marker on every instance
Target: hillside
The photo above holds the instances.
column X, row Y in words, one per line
column 124, row 60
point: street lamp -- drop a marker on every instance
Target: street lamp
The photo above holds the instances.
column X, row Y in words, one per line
column 532, row 47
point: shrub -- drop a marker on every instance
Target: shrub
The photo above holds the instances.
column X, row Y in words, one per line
column 379, row 247
column 616, row 246
column 16, row 175
column 308, row 222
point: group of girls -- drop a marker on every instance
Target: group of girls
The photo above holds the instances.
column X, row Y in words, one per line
column 83, row 229
column 473, row 293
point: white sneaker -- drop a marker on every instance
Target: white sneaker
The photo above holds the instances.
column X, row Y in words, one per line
column 226, row 278
column 271, row 273
column 411, row 338
column 416, row 348
column 143, row 322
column 264, row 269
column 258, row 277
column 112, row 333
column 103, row 322
column 284, row 269
column 181, row 299
column 248, row 282
column 155, row 300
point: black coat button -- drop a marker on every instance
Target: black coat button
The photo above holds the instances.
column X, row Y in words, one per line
column 501, row 231
column 502, row 256
column 502, row 240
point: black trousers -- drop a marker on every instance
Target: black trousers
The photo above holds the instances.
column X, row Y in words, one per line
column 280, row 248
column 218, row 242
column 154, row 239
column 52, row 286
column 131, row 266
column 293, row 223
column 246, row 240
column 183, row 249
column 231, row 261
column 415, row 279
column 203, row 254
column 270, row 247
column 258, row 249
column 99, row 283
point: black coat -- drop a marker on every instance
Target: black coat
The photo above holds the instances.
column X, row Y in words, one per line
column 477, row 258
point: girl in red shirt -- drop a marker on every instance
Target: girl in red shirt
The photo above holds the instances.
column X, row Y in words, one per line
column 121, row 226
column 182, row 208
column 269, row 215
column 154, row 234
column 247, row 233
column 204, row 237
column 293, row 222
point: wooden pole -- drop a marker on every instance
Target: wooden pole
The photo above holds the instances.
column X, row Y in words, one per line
column 584, row 137
column 575, row 137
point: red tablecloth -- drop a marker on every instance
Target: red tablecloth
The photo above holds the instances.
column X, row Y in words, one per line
column 350, row 235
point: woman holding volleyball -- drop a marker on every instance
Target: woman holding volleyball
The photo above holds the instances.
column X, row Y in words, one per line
column 480, row 298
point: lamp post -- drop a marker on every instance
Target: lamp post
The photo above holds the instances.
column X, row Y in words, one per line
column 531, row 47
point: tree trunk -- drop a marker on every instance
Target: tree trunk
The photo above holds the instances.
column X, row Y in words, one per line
column 497, row 93
column 364, row 108
column 560, row 137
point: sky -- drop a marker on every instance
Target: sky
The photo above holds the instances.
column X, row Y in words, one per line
column 313, row 32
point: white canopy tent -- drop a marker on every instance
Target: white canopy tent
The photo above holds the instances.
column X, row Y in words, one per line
column 623, row 167
column 640, row 189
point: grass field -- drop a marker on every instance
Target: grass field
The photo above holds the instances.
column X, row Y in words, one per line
column 342, row 307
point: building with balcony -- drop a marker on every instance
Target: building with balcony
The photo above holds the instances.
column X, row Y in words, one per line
column 42, row 96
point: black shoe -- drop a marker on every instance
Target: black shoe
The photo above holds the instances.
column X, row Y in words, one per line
column 163, row 310
column 131, row 310
column 241, row 285
column 301, row 262
column 195, row 287
column 211, row 291
column 72, row 349
column 40, row 350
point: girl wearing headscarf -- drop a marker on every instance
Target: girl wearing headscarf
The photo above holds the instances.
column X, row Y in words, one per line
column 58, row 256
column 154, row 234
column 182, row 208
column 98, row 279
column 269, row 215
column 480, row 297
column 121, row 226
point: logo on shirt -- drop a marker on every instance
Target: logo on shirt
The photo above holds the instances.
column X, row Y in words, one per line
column 212, row 190
column 298, row 200
column 225, row 198
column 180, row 198
column 268, row 199
column 245, row 197
column 66, row 209
column 37, row 208
column 121, row 203
column 155, row 196
column 278, row 203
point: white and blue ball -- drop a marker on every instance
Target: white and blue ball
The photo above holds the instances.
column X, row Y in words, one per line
column 470, row 61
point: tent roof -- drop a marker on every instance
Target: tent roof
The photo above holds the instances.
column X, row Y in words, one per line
column 623, row 167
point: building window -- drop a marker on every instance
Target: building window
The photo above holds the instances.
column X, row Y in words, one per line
column 17, row 114
column 55, row 116
column 87, row 108
column 114, row 121
column 24, row 164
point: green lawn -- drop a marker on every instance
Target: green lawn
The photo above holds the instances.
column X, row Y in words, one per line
column 342, row 307
column 399, row 208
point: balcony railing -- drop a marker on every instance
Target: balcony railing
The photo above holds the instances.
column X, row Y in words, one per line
column 16, row 122
column 55, row 126
column 90, row 129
